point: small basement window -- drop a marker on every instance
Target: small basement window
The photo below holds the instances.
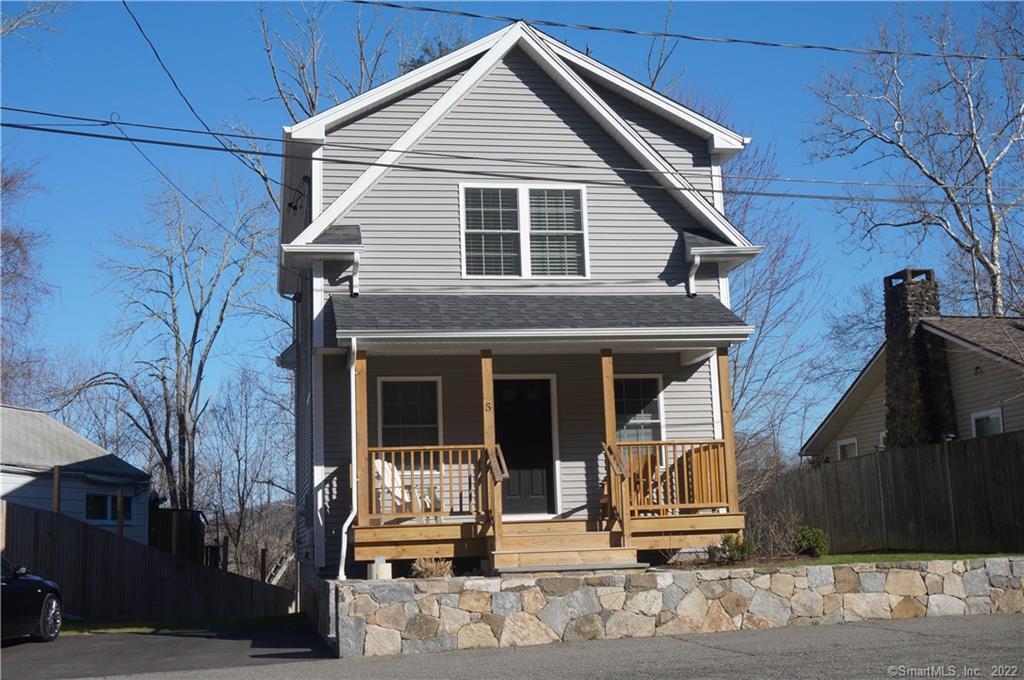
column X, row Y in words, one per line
column 985, row 423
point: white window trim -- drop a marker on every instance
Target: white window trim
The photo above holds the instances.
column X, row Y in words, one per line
column 556, row 457
column 997, row 412
column 843, row 442
column 409, row 378
column 661, row 395
column 881, row 440
column 523, row 201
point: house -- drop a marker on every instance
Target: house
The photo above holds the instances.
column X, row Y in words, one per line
column 510, row 280
column 935, row 378
column 46, row 465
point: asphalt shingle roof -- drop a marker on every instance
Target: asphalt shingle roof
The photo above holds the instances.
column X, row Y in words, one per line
column 35, row 440
column 1001, row 336
column 452, row 313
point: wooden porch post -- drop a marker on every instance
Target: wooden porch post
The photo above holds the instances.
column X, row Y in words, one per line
column 362, row 461
column 728, row 434
column 611, row 439
column 487, row 406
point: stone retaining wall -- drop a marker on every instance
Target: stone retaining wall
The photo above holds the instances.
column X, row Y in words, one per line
column 377, row 618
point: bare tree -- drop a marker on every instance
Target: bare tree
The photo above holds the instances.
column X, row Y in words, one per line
column 35, row 16
column 660, row 75
column 949, row 134
column 248, row 433
column 777, row 293
column 22, row 288
column 185, row 280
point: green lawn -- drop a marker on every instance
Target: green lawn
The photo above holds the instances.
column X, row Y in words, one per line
column 851, row 558
column 85, row 627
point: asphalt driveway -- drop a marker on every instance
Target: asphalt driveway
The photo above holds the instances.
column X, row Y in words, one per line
column 974, row 646
column 193, row 652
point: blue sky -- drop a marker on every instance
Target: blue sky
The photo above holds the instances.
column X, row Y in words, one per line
column 97, row 65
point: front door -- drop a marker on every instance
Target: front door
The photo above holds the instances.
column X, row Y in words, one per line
column 522, row 421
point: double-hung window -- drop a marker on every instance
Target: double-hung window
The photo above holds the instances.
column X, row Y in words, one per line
column 638, row 409
column 410, row 411
column 526, row 231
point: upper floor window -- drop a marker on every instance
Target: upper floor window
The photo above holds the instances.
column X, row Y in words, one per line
column 527, row 231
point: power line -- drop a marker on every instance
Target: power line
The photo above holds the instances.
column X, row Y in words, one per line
column 156, row 53
column 189, row 198
column 503, row 175
column 495, row 159
column 869, row 51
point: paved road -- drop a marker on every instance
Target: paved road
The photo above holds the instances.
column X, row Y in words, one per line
column 854, row 650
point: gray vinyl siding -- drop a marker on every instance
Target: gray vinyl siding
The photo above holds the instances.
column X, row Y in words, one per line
column 304, row 496
column 685, row 151
column 378, row 129
column 687, row 401
column 865, row 424
column 980, row 384
column 410, row 220
column 337, row 452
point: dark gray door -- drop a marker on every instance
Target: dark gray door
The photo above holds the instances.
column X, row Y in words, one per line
column 522, row 420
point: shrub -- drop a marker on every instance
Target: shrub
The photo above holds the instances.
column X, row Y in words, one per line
column 810, row 541
column 431, row 567
column 773, row 531
column 732, row 549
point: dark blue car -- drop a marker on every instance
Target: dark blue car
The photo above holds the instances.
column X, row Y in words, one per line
column 31, row 605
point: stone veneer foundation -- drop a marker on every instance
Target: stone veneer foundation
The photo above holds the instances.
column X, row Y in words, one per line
column 379, row 618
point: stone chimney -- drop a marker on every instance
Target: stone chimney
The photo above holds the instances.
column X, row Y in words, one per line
column 918, row 397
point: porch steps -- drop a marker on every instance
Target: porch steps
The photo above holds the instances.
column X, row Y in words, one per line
column 566, row 556
column 559, row 540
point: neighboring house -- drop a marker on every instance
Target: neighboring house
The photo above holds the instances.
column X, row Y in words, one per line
column 935, row 378
column 500, row 262
column 32, row 445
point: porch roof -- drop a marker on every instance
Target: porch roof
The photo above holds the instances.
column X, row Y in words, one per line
column 531, row 316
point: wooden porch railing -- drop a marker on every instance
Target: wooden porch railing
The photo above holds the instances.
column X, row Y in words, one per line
column 672, row 477
column 421, row 483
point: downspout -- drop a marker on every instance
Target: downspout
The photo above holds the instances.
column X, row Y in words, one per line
column 691, row 281
column 352, row 457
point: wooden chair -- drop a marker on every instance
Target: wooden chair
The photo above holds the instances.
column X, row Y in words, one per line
column 406, row 495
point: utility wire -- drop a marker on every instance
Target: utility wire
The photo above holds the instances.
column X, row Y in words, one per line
column 504, row 175
column 870, row 51
column 189, row 198
column 493, row 159
column 237, row 153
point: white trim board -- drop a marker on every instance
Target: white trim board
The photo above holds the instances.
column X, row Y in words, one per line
column 556, row 460
column 530, row 41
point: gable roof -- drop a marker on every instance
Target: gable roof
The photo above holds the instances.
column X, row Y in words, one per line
column 1001, row 339
column 34, row 440
column 552, row 58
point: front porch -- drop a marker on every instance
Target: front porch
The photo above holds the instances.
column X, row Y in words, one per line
column 615, row 492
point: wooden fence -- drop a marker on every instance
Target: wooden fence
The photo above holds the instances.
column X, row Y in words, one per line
column 962, row 496
column 105, row 577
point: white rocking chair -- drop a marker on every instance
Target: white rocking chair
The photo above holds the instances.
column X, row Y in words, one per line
column 405, row 495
